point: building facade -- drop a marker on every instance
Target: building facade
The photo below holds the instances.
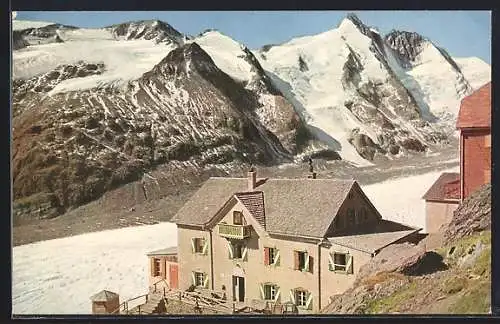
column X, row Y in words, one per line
column 441, row 201
column 474, row 123
column 279, row 240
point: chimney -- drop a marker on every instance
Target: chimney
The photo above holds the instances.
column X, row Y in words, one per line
column 311, row 170
column 252, row 179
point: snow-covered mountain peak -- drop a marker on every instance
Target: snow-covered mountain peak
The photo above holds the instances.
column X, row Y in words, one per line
column 156, row 30
column 352, row 20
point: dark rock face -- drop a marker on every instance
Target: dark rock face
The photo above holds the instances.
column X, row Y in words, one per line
column 41, row 35
column 303, row 65
column 364, row 145
column 158, row 31
column 473, row 215
column 406, row 45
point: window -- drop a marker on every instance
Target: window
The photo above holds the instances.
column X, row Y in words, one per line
column 237, row 218
column 199, row 245
column 351, row 218
column 156, row 267
column 349, row 195
column 271, row 256
column 300, row 298
column 269, row 292
column 237, row 250
column 200, row 279
column 302, row 261
column 340, row 262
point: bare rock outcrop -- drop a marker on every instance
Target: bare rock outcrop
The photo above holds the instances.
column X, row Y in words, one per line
column 473, row 215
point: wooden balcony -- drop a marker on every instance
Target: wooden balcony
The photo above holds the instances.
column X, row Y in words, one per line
column 234, row 231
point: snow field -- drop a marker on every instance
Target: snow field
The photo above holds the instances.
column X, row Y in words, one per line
column 74, row 268
column 59, row 276
column 400, row 199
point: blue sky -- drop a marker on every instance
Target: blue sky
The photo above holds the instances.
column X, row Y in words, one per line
column 461, row 33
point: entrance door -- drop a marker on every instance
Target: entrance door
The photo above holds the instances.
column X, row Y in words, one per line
column 239, row 288
column 174, row 276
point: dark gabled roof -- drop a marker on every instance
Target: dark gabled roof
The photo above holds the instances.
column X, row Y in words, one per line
column 167, row 251
column 475, row 109
column 445, row 188
column 304, row 207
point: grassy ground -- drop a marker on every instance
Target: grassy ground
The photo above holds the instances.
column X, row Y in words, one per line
column 461, row 289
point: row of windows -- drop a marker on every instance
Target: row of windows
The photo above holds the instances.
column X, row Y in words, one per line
column 340, row 262
column 268, row 291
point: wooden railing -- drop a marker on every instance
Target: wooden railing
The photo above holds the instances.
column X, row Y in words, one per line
column 234, row 231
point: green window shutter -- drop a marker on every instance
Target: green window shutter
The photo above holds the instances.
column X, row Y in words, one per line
column 230, row 250
column 331, row 267
column 205, row 282
column 349, row 268
column 309, row 301
column 244, row 254
column 205, row 247
column 277, row 258
column 193, row 248
column 292, row 296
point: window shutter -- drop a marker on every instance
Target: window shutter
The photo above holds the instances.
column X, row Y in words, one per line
column 262, row 295
column 193, row 278
column 205, row 247
column 205, row 282
column 193, row 247
column 230, row 249
column 277, row 296
column 163, row 268
column 311, row 264
column 152, row 267
column 306, row 264
column 297, row 260
column 266, row 256
column 348, row 267
column 309, row 301
column 292, row 296
column 330, row 262
column 244, row 254
column 277, row 258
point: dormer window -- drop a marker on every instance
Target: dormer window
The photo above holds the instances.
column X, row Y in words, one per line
column 237, row 218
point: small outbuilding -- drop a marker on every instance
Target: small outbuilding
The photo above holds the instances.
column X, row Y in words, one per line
column 441, row 200
column 164, row 268
column 105, row 302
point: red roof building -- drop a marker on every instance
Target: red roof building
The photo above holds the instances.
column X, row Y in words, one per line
column 474, row 123
column 441, row 200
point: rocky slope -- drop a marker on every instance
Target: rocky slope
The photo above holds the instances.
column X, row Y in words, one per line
column 84, row 143
column 96, row 108
column 453, row 278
